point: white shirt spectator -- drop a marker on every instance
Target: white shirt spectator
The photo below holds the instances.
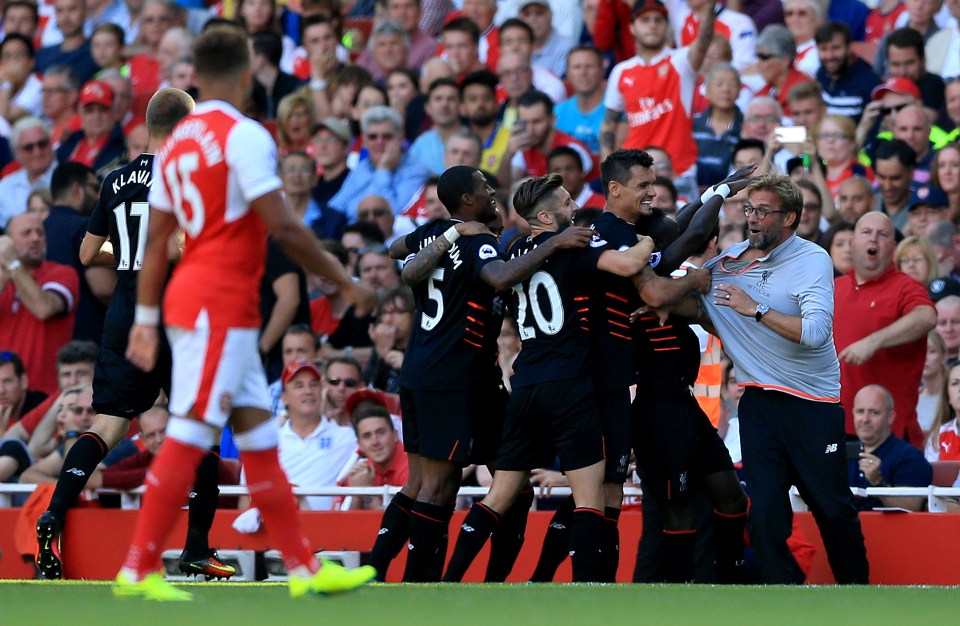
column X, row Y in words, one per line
column 15, row 188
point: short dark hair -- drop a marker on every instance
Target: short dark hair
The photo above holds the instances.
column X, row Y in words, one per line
column 221, row 53
column 532, row 192
column 66, row 174
column 368, row 230
column 480, row 77
column 831, row 233
column 11, row 37
column 803, row 183
column 367, row 410
column 442, row 82
column 533, row 98
column 165, row 110
column 616, row 167
column 592, row 49
column 337, row 249
column 302, row 329
column 313, row 20
column 897, row 149
column 269, row 45
column 453, row 184
column 906, row 38
column 402, row 293
column 112, row 29
column 748, row 144
column 77, row 351
column 565, row 151
column 514, row 22
column 32, row 6
column 663, row 181
column 345, row 360
column 8, row 356
column 464, row 25
column 827, row 31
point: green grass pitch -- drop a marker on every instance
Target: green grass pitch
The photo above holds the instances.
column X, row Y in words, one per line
column 76, row 603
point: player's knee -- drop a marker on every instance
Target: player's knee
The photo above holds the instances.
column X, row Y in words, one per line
column 110, row 428
column 191, row 432
column 263, row 436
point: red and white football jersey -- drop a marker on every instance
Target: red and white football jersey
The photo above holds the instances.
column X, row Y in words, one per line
column 657, row 97
column 949, row 441
column 208, row 171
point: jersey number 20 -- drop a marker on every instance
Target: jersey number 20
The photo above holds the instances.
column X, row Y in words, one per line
column 547, row 326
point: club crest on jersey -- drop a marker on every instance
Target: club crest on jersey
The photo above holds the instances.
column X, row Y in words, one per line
column 597, row 242
column 487, row 251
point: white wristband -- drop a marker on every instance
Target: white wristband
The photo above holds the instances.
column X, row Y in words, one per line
column 452, row 234
column 717, row 190
column 145, row 315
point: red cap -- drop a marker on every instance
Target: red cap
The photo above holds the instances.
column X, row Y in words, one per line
column 642, row 6
column 360, row 395
column 96, row 92
column 902, row 86
column 296, row 367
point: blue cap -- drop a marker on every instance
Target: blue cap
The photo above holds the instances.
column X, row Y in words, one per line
column 928, row 195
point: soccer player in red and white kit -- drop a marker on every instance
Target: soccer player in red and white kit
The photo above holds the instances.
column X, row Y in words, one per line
column 216, row 176
column 655, row 88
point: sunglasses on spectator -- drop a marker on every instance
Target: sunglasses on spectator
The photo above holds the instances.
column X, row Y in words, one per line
column 811, row 206
column 378, row 136
column 80, row 410
column 893, row 109
column 43, row 144
column 348, row 382
column 765, row 56
column 772, row 119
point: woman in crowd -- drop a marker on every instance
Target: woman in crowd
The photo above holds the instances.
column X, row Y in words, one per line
column 945, row 174
column 915, row 258
column 943, row 441
column 933, row 383
column 259, row 16
column 837, row 241
column 295, row 121
column 803, row 17
column 837, row 146
column 402, row 88
column 717, row 130
column 20, row 89
column 390, row 335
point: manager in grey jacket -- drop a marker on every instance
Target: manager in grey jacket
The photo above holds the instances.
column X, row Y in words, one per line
column 772, row 305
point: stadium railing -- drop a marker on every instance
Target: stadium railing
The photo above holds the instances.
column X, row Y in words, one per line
column 936, row 496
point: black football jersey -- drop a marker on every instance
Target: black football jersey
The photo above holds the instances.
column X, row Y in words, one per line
column 553, row 314
column 450, row 345
column 123, row 214
column 614, row 299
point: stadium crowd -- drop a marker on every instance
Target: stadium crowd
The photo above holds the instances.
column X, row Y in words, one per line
column 371, row 102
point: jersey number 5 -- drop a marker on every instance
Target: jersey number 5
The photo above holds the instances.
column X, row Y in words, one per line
column 177, row 174
column 429, row 322
column 547, row 326
column 139, row 210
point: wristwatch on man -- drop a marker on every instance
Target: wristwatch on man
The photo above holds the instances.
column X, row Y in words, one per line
column 762, row 309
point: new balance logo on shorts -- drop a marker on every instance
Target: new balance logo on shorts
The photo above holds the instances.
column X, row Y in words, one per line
column 76, row 472
column 831, row 447
column 383, row 531
column 467, row 529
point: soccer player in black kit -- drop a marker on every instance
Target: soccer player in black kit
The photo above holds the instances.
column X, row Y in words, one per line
column 553, row 410
column 441, row 381
column 628, row 182
column 678, row 450
column 121, row 391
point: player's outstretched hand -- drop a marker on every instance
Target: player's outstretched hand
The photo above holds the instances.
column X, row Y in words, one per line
column 362, row 297
column 740, row 179
column 469, row 229
column 573, row 237
column 142, row 346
